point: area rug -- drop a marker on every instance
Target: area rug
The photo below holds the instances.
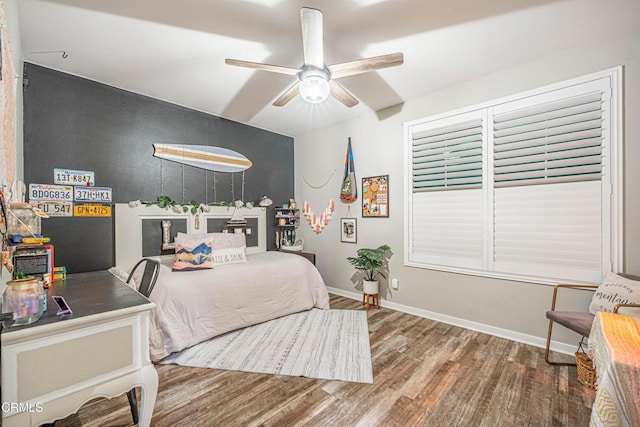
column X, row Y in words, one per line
column 323, row 344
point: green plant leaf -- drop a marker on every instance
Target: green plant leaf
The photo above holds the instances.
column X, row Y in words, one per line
column 370, row 261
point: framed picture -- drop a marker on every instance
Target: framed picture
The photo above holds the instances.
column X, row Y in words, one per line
column 348, row 230
column 375, row 197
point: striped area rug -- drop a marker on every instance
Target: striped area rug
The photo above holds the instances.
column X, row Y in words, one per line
column 323, row 344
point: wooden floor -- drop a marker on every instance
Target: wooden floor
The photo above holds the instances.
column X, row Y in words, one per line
column 426, row 373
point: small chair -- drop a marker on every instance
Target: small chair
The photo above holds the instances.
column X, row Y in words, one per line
column 579, row 322
column 149, row 276
column 147, row 282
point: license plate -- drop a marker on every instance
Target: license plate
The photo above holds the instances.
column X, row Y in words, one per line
column 73, row 177
column 56, row 208
column 92, row 194
column 92, row 210
column 46, row 192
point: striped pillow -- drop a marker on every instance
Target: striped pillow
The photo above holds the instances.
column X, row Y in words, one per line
column 193, row 254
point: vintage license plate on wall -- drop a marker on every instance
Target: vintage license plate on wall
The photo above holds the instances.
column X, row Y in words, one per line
column 92, row 209
column 92, row 194
column 46, row 192
column 56, row 208
column 73, row 177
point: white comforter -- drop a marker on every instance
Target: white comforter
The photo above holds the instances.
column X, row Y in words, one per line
column 194, row 306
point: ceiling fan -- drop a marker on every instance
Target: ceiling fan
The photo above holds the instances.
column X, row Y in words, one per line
column 316, row 80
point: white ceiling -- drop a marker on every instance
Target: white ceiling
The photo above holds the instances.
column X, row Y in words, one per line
column 175, row 50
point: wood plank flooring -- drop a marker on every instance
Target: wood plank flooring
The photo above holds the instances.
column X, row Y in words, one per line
column 426, row 373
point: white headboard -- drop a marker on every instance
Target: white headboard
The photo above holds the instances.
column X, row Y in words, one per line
column 129, row 234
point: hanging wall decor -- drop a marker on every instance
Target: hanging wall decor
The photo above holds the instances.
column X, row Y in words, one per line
column 318, row 222
column 349, row 230
column 375, row 197
column 203, row 156
column 349, row 191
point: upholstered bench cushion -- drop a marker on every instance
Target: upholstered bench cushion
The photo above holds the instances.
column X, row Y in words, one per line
column 577, row 321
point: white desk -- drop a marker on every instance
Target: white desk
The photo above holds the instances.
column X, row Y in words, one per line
column 53, row 366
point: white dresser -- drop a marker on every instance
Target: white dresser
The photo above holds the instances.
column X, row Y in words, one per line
column 53, row 366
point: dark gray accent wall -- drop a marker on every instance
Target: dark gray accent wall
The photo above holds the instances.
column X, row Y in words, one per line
column 75, row 123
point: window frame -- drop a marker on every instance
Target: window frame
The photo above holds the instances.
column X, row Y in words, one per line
column 612, row 239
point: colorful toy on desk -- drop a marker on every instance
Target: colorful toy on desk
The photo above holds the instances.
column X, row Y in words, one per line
column 36, row 239
column 59, row 273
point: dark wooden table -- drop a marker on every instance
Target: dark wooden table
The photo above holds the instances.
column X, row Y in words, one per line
column 87, row 294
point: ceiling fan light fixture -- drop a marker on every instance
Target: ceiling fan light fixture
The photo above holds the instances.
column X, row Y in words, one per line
column 314, row 89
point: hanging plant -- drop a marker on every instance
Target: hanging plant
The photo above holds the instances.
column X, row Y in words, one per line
column 166, row 202
column 193, row 206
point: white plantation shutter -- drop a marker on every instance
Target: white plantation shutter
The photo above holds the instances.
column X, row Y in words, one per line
column 447, row 228
column 446, row 201
column 520, row 189
column 547, row 171
column 448, row 157
column 552, row 230
column 555, row 142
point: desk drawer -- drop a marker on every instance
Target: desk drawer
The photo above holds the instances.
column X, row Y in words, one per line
column 66, row 360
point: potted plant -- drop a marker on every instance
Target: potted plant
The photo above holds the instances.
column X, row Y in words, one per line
column 370, row 262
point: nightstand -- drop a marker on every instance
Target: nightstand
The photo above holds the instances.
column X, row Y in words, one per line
column 308, row 255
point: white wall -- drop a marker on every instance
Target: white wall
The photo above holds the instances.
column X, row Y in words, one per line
column 378, row 150
column 11, row 14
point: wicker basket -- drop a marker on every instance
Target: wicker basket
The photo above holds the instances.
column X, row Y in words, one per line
column 586, row 371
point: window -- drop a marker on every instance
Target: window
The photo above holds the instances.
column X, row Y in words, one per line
column 522, row 188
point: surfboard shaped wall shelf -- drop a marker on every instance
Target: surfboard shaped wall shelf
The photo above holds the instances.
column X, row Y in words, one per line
column 203, row 156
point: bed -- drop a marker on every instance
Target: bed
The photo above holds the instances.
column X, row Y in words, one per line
column 193, row 306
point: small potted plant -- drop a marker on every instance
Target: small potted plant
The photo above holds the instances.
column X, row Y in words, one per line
column 371, row 262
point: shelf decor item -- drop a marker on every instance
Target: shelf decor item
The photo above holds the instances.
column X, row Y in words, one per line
column 375, row 197
column 25, row 299
column 287, row 219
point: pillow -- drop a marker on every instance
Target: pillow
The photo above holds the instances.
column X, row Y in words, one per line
column 193, row 254
column 220, row 240
column 615, row 290
column 229, row 256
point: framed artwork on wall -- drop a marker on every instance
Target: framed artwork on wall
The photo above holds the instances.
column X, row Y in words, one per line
column 348, row 230
column 375, row 197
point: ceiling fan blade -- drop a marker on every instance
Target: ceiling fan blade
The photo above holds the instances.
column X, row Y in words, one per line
column 365, row 65
column 263, row 67
column 312, row 44
column 288, row 95
column 341, row 94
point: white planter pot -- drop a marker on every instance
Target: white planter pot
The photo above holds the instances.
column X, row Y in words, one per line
column 370, row 287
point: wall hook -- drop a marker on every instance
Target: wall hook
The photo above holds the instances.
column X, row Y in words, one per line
column 63, row 52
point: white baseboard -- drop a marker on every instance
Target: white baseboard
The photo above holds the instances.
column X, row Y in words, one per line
column 463, row 323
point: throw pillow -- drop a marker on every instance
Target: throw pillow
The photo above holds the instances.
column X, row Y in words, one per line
column 614, row 290
column 220, row 240
column 193, row 254
column 229, row 256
